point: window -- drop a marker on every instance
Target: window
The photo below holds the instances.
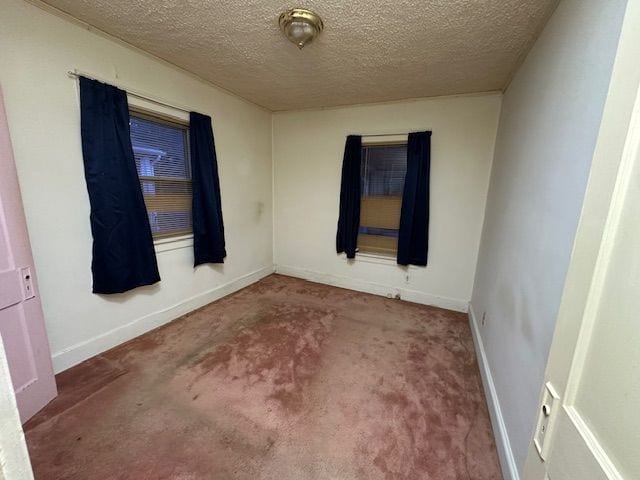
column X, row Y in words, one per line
column 161, row 151
column 383, row 171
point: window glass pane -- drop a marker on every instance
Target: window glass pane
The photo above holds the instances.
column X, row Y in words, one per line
column 161, row 151
column 383, row 169
column 383, row 172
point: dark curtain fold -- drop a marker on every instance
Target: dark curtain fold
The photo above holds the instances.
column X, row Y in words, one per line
column 208, row 227
column 413, row 238
column 349, row 218
column 123, row 253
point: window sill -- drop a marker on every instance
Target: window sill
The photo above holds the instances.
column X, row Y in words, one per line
column 374, row 258
column 173, row 243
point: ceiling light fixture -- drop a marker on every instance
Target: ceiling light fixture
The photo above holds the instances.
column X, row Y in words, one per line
column 300, row 26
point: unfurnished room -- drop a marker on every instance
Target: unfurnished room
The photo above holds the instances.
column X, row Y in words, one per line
column 365, row 240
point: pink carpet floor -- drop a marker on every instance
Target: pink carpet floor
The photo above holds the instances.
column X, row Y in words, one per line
column 284, row 380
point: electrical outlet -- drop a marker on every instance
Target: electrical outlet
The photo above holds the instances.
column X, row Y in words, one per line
column 484, row 319
column 550, row 403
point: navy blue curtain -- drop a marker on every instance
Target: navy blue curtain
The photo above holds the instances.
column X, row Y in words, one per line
column 349, row 218
column 208, row 227
column 123, row 253
column 413, row 238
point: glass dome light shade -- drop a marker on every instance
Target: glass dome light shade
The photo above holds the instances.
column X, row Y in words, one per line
column 300, row 26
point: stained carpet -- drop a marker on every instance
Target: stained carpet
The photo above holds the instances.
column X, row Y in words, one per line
column 284, row 380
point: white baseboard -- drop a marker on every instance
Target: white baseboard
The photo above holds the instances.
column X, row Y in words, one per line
column 374, row 288
column 505, row 453
column 79, row 352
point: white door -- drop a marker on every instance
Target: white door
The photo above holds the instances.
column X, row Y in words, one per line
column 22, row 327
column 589, row 421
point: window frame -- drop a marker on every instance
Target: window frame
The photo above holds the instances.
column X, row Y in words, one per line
column 381, row 141
column 148, row 110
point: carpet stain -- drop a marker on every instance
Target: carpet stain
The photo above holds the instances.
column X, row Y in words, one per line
column 283, row 380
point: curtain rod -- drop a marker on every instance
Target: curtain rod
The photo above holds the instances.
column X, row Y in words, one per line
column 77, row 73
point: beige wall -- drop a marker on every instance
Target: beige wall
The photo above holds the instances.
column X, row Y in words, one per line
column 307, row 152
column 43, row 110
column 549, row 123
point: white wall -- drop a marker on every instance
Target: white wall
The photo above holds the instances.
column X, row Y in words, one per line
column 14, row 458
column 43, row 110
column 550, row 118
column 307, row 152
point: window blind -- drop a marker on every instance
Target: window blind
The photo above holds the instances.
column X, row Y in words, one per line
column 161, row 152
column 383, row 171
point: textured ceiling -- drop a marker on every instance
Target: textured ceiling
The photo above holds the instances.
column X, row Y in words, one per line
column 370, row 50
